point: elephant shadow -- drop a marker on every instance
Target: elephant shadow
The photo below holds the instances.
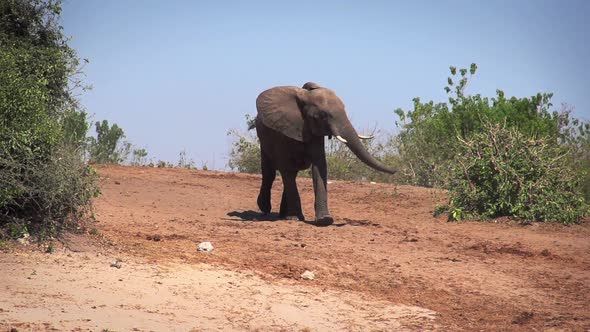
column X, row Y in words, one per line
column 250, row 215
column 256, row 216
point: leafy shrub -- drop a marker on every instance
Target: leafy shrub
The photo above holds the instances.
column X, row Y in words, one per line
column 502, row 172
column 245, row 152
column 498, row 157
column 44, row 183
column 428, row 138
column 53, row 193
column 139, row 157
column 183, row 162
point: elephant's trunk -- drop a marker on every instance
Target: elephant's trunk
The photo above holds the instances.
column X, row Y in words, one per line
column 356, row 146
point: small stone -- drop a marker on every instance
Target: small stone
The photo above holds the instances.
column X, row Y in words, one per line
column 155, row 237
column 205, row 246
column 24, row 240
column 373, row 182
column 308, row 275
column 116, row 264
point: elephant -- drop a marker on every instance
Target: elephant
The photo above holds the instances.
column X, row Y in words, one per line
column 291, row 124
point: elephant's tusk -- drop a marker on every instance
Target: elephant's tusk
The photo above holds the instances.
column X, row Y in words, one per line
column 366, row 136
column 341, row 139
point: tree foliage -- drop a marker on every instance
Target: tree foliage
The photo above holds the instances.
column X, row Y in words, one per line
column 109, row 146
column 477, row 148
column 44, row 182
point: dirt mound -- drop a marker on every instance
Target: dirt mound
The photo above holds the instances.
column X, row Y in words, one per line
column 385, row 258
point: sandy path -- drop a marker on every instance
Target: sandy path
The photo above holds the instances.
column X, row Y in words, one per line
column 68, row 291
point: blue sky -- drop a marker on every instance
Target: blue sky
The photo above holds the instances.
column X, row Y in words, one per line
column 176, row 75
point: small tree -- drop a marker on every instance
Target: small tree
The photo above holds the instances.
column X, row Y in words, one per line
column 108, row 147
column 139, row 157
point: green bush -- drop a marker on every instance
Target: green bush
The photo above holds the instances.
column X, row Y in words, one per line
column 428, row 137
column 45, row 185
column 498, row 157
column 245, row 152
column 502, row 172
column 109, row 146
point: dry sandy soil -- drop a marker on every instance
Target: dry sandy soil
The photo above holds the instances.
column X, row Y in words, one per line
column 385, row 265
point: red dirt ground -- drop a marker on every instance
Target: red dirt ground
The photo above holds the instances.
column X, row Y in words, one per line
column 385, row 245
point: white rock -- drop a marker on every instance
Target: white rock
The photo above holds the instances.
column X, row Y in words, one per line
column 116, row 263
column 308, row 275
column 24, row 240
column 205, row 246
column 373, row 182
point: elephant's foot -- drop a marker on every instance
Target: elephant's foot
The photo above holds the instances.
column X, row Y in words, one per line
column 324, row 221
column 264, row 204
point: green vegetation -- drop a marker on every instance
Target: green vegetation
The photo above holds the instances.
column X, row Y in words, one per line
column 139, row 157
column 108, row 147
column 500, row 156
column 502, row 172
column 497, row 157
column 45, row 185
column 244, row 155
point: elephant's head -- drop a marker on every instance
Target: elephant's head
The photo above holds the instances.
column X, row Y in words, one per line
column 302, row 113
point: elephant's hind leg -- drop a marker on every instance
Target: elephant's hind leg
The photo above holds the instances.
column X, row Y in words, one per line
column 269, row 173
column 290, row 202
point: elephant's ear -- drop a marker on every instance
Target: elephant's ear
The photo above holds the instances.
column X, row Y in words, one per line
column 280, row 108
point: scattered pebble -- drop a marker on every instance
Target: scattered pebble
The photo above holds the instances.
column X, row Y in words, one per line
column 373, row 182
column 24, row 240
column 116, row 264
column 155, row 237
column 205, row 246
column 308, row 275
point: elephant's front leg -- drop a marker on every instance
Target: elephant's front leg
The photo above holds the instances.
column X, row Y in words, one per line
column 319, row 173
column 291, row 202
column 269, row 173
